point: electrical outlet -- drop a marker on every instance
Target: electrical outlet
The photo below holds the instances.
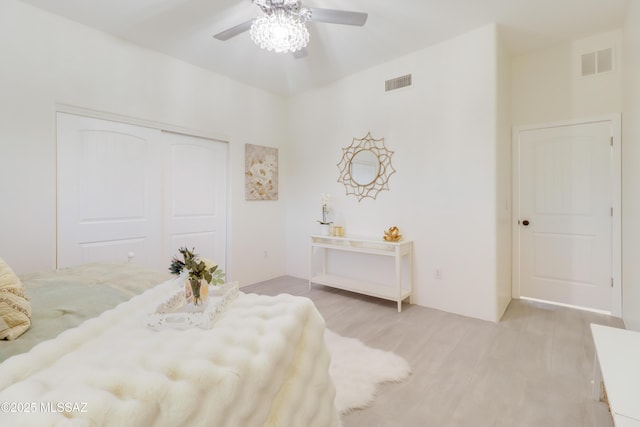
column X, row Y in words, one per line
column 438, row 273
column 266, row 254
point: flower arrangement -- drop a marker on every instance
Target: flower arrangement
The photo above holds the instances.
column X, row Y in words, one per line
column 324, row 199
column 197, row 270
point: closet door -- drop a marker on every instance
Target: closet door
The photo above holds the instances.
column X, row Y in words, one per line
column 196, row 189
column 133, row 193
column 109, row 192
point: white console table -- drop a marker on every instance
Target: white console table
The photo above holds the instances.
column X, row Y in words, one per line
column 617, row 364
column 371, row 246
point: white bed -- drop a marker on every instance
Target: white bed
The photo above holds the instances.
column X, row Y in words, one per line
column 264, row 363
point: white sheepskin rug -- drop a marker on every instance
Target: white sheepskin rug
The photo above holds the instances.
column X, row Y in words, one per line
column 357, row 369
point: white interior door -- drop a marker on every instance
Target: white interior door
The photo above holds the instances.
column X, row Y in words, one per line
column 197, row 193
column 108, row 192
column 564, row 215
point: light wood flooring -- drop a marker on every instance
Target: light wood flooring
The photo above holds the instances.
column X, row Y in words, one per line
column 533, row 368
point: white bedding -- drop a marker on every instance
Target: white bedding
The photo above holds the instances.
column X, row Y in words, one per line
column 264, row 363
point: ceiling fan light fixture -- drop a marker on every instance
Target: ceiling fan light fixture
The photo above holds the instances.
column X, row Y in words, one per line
column 280, row 32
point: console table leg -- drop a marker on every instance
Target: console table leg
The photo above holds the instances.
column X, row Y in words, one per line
column 310, row 263
column 399, row 277
column 597, row 379
column 411, row 272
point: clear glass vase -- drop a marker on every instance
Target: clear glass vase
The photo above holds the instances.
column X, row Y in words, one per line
column 196, row 294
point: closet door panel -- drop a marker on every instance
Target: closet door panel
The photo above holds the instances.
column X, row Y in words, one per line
column 197, row 195
column 109, row 192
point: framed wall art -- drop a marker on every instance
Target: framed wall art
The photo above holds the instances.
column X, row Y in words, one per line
column 261, row 172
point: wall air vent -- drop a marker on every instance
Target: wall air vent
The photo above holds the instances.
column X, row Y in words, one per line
column 597, row 62
column 397, row 83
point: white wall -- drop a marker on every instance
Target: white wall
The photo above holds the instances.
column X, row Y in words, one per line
column 47, row 60
column 547, row 86
column 443, row 132
column 503, row 179
column 630, row 170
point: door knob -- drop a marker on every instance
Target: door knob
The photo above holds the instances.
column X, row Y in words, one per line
column 525, row 222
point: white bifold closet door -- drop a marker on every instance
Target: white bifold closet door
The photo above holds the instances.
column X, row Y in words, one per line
column 128, row 192
column 195, row 189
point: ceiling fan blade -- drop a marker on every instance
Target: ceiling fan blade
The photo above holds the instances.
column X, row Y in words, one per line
column 343, row 17
column 233, row 31
column 299, row 54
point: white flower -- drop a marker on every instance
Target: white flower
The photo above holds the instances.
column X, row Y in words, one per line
column 270, row 162
column 260, row 177
column 324, row 199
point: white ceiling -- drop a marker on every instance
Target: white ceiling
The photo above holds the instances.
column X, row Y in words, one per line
column 184, row 29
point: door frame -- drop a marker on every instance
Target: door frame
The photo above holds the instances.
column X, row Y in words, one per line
column 616, row 226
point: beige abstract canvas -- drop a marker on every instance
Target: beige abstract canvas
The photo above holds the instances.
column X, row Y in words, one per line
column 261, row 172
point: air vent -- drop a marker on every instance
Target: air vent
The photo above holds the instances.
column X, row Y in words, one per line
column 397, row 83
column 598, row 62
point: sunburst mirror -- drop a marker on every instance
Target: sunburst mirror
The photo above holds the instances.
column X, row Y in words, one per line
column 365, row 167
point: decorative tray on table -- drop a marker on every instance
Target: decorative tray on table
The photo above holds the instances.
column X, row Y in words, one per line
column 174, row 313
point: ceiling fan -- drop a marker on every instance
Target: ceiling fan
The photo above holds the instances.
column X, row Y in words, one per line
column 282, row 27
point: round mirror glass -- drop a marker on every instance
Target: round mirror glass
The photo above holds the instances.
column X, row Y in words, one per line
column 364, row 167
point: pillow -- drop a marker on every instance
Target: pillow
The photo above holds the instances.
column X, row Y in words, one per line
column 15, row 309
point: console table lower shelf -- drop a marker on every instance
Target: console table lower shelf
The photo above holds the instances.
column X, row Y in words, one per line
column 362, row 287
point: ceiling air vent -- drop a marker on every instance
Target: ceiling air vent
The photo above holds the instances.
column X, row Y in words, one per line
column 397, row 83
column 598, row 62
